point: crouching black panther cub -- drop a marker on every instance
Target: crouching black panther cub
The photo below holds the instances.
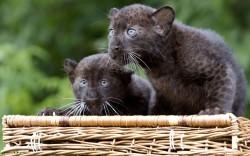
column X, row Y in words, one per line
column 102, row 87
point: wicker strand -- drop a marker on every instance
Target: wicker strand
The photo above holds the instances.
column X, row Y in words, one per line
column 235, row 137
column 222, row 120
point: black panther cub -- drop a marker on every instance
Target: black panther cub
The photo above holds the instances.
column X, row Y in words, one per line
column 102, row 87
column 192, row 70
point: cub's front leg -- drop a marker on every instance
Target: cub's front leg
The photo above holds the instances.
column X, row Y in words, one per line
column 220, row 91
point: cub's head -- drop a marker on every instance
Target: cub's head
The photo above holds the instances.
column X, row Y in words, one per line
column 99, row 85
column 137, row 32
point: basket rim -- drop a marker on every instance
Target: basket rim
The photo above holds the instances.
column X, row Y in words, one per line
column 220, row 120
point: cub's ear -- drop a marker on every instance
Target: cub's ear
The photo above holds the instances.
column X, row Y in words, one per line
column 162, row 19
column 126, row 74
column 112, row 12
column 69, row 67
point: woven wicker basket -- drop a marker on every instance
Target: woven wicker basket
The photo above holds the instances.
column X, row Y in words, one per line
column 126, row 135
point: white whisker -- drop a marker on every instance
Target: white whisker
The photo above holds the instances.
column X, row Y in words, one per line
column 137, row 56
column 72, row 103
column 118, row 103
column 108, row 104
column 132, row 61
column 82, row 105
column 84, row 108
column 115, row 99
column 76, row 109
column 66, row 98
column 104, row 107
column 72, row 110
column 135, row 64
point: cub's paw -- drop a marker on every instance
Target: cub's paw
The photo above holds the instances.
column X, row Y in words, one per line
column 211, row 111
column 48, row 112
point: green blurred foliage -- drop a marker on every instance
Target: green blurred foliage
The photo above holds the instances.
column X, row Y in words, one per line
column 37, row 35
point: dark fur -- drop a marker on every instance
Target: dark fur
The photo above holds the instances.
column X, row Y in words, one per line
column 192, row 70
column 127, row 93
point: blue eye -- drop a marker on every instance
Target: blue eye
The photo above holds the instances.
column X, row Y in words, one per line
column 111, row 32
column 104, row 83
column 131, row 32
column 83, row 83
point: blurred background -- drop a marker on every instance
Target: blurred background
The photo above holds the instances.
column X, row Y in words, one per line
column 37, row 35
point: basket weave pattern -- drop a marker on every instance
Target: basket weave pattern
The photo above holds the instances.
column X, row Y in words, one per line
column 126, row 135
